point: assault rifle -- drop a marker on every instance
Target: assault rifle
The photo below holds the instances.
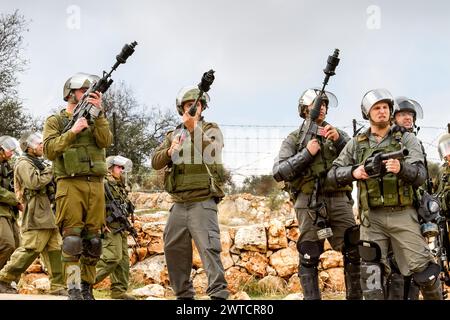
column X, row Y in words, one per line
column 203, row 86
column 86, row 109
column 374, row 166
column 310, row 128
column 119, row 213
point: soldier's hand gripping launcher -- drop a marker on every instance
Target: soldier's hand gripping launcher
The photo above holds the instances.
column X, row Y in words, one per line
column 86, row 109
column 310, row 126
column 203, row 86
column 374, row 165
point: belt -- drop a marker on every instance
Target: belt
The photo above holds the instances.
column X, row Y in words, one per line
column 393, row 208
column 336, row 194
column 87, row 178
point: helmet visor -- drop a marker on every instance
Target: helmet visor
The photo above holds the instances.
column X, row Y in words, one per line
column 309, row 95
column 10, row 144
column 374, row 96
column 34, row 140
column 406, row 104
column 82, row 80
column 444, row 146
column 126, row 163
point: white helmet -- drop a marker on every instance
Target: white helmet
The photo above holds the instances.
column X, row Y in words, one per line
column 406, row 104
column 8, row 143
column 30, row 140
column 444, row 145
column 374, row 96
column 309, row 95
column 78, row 81
column 126, row 163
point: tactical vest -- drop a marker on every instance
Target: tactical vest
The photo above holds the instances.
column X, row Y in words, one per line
column 385, row 191
column 7, row 176
column 443, row 192
column 195, row 176
column 82, row 158
column 321, row 164
column 119, row 194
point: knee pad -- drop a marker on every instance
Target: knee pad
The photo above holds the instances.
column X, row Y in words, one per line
column 369, row 251
column 310, row 252
column 427, row 276
column 351, row 241
column 72, row 245
column 92, row 247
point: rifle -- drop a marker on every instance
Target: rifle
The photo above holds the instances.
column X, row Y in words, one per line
column 119, row 214
column 374, row 164
column 310, row 128
column 86, row 109
column 203, row 86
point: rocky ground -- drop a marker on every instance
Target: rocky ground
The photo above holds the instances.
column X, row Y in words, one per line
column 258, row 237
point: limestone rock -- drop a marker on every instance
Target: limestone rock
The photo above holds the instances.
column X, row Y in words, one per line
column 252, row 238
column 254, row 262
column 285, row 261
column 276, row 235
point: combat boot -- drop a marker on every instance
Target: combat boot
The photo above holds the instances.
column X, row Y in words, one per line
column 86, row 291
column 75, row 294
column 6, row 287
column 122, row 296
column 309, row 280
column 395, row 286
column 429, row 282
column 352, row 273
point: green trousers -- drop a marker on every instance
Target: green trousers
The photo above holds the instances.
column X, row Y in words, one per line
column 114, row 262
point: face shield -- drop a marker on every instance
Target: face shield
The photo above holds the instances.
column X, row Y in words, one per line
column 11, row 144
column 34, row 140
column 309, row 95
column 444, row 145
column 374, row 96
column 406, row 104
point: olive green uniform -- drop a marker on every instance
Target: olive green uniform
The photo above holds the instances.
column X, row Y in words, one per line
column 39, row 232
column 389, row 218
column 79, row 168
column 9, row 230
column 338, row 203
column 443, row 189
column 115, row 260
column 196, row 187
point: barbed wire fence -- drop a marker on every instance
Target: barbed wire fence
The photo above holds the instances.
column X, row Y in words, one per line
column 251, row 149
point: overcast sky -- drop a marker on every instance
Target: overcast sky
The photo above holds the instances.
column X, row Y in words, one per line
column 265, row 53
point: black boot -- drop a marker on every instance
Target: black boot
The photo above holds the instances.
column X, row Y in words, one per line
column 432, row 291
column 86, row 291
column 352, row 281
column 309, row 280
column 395, row 286
column 75, row 294
column 412, row 290
column 5, row 287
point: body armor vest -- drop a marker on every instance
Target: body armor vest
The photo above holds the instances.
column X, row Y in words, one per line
column 7, row 176
column 82, row 158
column 321, row 164
column 443, row 192
column 384, row 191
column 194, row 176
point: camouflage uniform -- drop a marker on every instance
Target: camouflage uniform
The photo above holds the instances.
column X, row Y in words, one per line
column 196, row 188
column 39, row 231
column 79, row 169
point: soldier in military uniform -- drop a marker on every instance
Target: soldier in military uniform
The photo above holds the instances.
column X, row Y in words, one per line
column 115, row 260
column 9, row 206
column 443, row 185
column 191, row 157
column 387, row 215
column 79, row 167
column 34, row 189
column 323, row 211
column 406, row 112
